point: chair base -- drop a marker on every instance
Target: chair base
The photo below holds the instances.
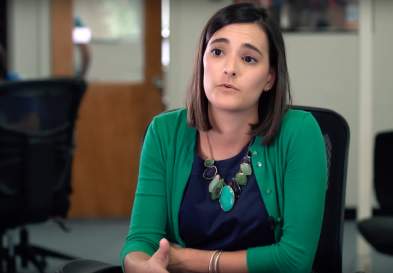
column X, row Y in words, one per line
column 378, row 231
column 28, row 253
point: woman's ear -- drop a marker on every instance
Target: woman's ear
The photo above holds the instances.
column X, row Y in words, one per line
column 270, row 80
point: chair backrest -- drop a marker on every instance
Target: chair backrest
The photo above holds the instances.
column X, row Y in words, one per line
column 383, row 177
column 37, row 120
column 335, row 130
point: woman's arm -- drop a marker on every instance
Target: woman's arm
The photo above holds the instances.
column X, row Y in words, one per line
column 149, row 212
column 303, row 202
column 190, row 260
column 140, row 262
column 135, row 261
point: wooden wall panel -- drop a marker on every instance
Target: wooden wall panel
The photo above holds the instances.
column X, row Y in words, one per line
column 61, row 37
column 109, row 137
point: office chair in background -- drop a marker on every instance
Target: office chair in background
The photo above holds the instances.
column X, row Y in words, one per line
column 335, row 130
column 378, row 230
column 37, row 119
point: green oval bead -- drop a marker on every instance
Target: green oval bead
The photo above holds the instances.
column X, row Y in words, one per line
column 215, row 194
column 246, row 168
column 214, row 182
column 241, row 179
column 208, row 162
column 216, row 190
column 227, row 198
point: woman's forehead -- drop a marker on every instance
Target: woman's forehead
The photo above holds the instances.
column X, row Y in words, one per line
column 242, row 33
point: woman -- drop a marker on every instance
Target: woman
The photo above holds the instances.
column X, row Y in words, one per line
column 235, row 182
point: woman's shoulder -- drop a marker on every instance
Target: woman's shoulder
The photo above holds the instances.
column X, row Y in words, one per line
column 170, row 120
column 171, row 116
column 296, row 116
column 295, row 121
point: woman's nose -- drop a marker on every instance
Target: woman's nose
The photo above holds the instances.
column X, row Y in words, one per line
column 230, row 72
column 230, row 68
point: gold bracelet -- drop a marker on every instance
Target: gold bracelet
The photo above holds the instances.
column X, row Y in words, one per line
column 215, row 265
column 210, row 268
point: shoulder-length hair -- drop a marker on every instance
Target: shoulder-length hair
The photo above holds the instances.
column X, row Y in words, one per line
column 272, row 104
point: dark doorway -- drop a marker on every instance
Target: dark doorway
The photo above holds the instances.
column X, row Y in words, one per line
column 3, row 23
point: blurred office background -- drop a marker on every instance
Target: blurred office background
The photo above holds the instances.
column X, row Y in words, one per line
column 141, row 58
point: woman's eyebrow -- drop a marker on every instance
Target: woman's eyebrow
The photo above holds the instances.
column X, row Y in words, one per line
column 247, row 45
column 220, row 40
column 250, row 46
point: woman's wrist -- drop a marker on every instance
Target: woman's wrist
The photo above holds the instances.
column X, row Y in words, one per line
column 176, row 260
column 133, row 261
column 214, row 261
column 189, row 260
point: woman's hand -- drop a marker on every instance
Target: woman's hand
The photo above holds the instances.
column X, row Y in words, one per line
column 178, row 259
column 138, row 262
column 160, row 259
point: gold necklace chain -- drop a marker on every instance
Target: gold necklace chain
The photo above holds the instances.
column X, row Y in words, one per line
column 209, row 145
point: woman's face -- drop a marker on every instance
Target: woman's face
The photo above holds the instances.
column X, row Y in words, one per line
column 236, row 67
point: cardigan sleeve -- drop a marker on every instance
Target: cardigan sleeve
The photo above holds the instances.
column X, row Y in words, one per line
column 149, row 212
column 304, row 187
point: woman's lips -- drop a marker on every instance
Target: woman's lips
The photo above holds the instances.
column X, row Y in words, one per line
column 228, row 86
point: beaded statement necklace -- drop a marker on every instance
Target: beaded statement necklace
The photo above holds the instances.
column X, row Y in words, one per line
column 227, row 192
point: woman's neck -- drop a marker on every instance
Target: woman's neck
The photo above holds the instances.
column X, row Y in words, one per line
column 229, row 135
column 229, row 125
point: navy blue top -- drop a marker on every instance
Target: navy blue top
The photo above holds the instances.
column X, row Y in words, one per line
column 204, row 225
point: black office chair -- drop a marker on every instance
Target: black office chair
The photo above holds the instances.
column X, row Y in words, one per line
column 37, row 119
column 335, row 130
column 378, row 230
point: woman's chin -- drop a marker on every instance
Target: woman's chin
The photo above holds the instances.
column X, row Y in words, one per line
column 230, row 107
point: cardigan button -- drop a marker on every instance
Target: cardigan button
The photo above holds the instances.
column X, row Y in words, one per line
column 259, row 164
column 254, row 153
column 268, row 191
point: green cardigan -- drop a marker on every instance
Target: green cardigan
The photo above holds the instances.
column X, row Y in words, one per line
column 291, row 174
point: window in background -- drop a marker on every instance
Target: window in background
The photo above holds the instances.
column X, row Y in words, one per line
column 312, row 15
column 117, row 39
column 111, row 20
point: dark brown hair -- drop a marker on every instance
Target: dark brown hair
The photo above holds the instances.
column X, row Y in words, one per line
column 273, row 104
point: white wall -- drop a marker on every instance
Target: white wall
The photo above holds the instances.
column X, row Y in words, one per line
column 324, row 72
column 117, row 61
column 324, row 69
column 383, row 66
column 29, row 37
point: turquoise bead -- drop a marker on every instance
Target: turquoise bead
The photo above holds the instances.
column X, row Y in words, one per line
column 227, row 198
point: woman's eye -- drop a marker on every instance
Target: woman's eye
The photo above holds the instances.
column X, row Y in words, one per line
column 216, row 52
column 249, row 59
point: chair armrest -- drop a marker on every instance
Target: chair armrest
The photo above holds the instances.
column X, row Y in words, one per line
column 89, row 266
